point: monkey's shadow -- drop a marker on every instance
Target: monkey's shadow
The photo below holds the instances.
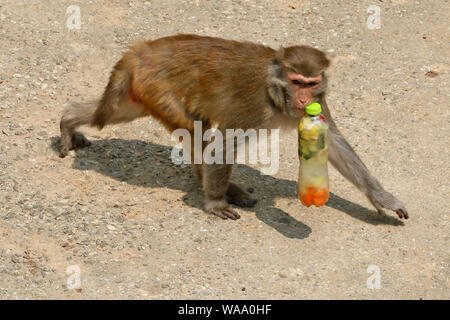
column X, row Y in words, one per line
column 148, row 164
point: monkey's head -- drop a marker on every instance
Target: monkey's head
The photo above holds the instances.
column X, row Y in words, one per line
column 297, row 78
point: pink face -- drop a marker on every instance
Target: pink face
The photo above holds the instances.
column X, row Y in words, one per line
column 303, row 89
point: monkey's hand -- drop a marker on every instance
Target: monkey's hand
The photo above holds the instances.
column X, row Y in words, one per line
column 221, row 209
column 381, row 199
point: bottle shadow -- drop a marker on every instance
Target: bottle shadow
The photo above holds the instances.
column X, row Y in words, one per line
column 149, row 164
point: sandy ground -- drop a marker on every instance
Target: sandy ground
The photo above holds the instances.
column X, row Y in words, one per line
column 131, row 221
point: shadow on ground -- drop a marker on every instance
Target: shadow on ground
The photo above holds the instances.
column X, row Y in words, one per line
column 148, row 164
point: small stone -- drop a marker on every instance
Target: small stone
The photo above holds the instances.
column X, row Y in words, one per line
column 431, row 74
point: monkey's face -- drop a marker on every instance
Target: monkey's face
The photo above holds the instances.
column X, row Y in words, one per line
column 297, row 78
column 303, row 91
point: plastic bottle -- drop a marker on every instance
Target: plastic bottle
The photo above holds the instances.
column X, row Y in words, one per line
column 313, row 155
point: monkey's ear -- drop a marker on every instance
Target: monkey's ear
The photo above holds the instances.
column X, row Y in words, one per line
column 277, row 84
column 277, row 93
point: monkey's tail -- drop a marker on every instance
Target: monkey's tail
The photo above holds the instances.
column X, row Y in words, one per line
column 118, row 86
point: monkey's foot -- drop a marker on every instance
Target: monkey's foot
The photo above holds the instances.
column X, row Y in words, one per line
column 78, row 140
column 239, row 197
column 221, row 209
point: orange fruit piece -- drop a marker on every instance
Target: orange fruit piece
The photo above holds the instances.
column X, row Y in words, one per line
column 306, row 199
column 320, row 197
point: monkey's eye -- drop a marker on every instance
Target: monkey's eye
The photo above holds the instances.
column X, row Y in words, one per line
column 296, row 82
column 302, row 84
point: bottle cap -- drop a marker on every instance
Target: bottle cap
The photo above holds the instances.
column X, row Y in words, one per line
column 313, row 109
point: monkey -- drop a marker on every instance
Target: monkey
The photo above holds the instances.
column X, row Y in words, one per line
column 224, row 84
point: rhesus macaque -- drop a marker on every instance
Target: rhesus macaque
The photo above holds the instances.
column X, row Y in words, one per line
column 224, row 84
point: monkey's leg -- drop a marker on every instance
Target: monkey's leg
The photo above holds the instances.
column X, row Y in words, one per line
column 347, row 162
column 198, row 168
column 235, row 194
column 118, row 104
column 215, row 185
column 78, row 114
column 199, row 172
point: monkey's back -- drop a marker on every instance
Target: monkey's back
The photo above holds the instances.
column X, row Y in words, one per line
column 187, row 77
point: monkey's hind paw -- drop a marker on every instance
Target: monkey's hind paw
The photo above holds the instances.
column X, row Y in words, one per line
column 78, row 140
column 64, row 151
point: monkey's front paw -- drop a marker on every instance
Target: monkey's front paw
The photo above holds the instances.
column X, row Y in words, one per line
column 221, row 209
column 237, row 196
column 382, row 199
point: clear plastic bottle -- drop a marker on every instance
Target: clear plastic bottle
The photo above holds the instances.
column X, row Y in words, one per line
column 313, row 155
